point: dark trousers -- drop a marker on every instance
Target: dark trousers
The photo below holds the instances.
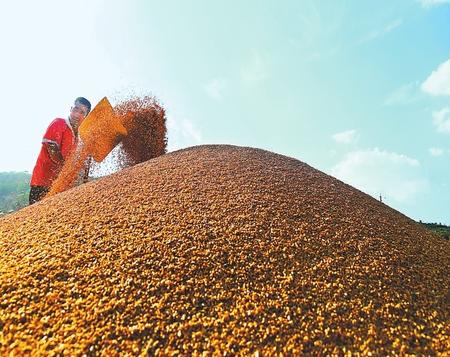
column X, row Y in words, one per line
column 37, row 193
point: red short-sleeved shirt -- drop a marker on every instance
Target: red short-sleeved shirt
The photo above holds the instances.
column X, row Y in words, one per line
column 46, row 170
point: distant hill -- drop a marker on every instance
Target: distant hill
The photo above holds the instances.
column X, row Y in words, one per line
column 441, row 229
column 14, row 190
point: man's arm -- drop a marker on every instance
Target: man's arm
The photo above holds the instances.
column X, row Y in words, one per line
column 54, row 152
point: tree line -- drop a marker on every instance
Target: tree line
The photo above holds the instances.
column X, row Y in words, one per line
column 14, row 190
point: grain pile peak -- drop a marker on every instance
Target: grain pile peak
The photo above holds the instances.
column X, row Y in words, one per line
column 220, row 249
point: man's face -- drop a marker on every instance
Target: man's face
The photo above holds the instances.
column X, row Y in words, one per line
column 77, row 113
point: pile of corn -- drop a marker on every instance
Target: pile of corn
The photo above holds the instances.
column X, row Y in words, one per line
column 220, row 249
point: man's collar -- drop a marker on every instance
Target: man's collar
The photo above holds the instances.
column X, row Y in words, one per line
column 70, row 125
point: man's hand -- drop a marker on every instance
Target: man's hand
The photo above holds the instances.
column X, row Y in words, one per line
column 54, row 152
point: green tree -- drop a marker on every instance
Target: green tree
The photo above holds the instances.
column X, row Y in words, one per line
column 14, row 190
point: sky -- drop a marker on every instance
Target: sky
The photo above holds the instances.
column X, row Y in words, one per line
column 357, row 89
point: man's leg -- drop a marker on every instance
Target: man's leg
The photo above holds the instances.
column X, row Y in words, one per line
column 37, row 193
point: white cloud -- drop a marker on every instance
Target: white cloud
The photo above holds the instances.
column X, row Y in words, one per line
column 428, row 3
column 345, row 137
column 374, row 34
column 182, row 133
column 436, row 151
column 404, row 95
column 319, row 35
column 256, row 69
column 374, row 171
column 438, row 82
column 215, row 88
column 332, row 153
column 190, row 131
column 441, row 120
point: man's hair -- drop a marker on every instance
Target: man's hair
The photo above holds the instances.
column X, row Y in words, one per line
column 83, row 101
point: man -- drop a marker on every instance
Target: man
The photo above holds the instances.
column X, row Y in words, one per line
column 60, row 139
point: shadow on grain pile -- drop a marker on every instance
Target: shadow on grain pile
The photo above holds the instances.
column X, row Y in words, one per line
column 220, row 248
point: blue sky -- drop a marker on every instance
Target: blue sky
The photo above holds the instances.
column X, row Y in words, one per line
column 357, row 89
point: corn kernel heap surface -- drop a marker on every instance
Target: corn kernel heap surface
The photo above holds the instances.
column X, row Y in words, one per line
column 220, row 248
